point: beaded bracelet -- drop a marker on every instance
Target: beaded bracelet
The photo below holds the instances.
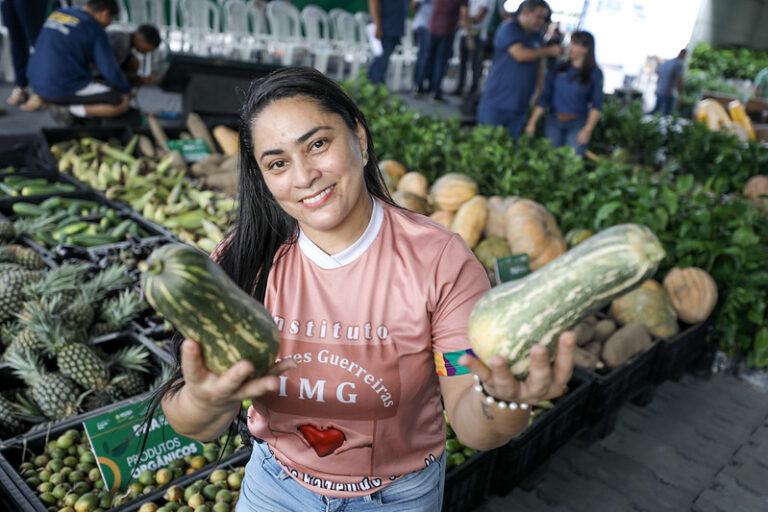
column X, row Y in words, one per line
column 501, row 404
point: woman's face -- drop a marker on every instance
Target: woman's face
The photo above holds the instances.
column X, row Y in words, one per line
column 312, row 164
column 576, row 51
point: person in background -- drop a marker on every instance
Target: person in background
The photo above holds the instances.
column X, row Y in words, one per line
column 480, row 12
column 389, row 18
column 24, row 19
column 553, row 37
column 574, row 94
column 517, row 54
column 443, row 24
column 420, row 26
column 144, row 39
column 670, row 79
column 70, row 44
column 761, row 83
column 350, row 416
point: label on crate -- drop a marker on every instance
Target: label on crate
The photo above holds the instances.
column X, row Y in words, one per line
column 512, row 267
column 116, row 439
column 192, row 150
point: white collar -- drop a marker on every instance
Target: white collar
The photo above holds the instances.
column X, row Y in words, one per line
column 351, row 253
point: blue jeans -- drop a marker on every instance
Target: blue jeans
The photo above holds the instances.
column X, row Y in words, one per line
column 440, row 52
column 420, row 70
column 475, row 57
column 664, row 104
column 268, row 488
column 513, row 121
column 377, row 72
column 562, row 133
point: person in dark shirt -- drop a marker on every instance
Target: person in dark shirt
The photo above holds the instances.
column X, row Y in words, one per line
column 71, row 43
column 574, row 94
column 144, row 40
column 670, row 79
column 518, row 48
column 389, row 18
column 23, row 19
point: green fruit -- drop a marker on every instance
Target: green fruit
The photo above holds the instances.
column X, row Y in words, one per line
column 217, row 475
column 224, row 495
column 468, row 452
column 196, row 500
column 221, row 507
column 48, row 498
column 209, row 491
column 511, row 318
column 234, row 480
column 457, row 458
column 87, row 503
column 87, row 458
column 452, row 445
column 147, row 477
column 64, row 441
column 163, row 476
column 194, row 293
column 174, row 493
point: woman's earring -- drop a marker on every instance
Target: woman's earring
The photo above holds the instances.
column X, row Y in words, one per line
column 365, row 157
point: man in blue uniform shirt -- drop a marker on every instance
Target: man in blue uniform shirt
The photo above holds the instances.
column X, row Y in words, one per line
column 518, row 48
column 71, row 42
column 389, row 18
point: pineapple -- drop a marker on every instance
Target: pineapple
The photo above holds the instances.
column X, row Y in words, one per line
column 10, row 424
column 79, row 362
column 132, row 384
column 23, row 226
column 133, row 361
column 64, row 281
column 57, row 395
column 7, row 266
column 8, row 332
column 26, row 340
column 81, row 313
column 12, row 291
column 24, row 256
column 33, row 317
column 116, row 313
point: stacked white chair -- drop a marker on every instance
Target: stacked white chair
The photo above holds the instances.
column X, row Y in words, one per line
column 285, row 26
column 200, row 27
column 317, row 31
column 402, row 59
column 243, row 28
column 349, row 35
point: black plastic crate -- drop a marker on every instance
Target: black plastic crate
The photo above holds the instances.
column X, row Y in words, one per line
column 677, row 354
column 19, row 151
column 608, row 392
column 75, row 186
column 110, row 343
column 551, row 430
column 25, row 498
column 43, row 158
column 467, row 485
column 150, row 229
column 158, row 345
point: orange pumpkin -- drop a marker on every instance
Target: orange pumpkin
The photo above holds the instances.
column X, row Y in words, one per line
column 693, row 293
column 393, row 168
column 470, row 220
column 758, row 186
column 452, row 190
column 443, row 218
column 532, row 230
column 415, row 183
column 496, row 224
column 649, row 305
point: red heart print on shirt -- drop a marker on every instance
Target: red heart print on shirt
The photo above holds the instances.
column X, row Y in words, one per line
column 324, row 441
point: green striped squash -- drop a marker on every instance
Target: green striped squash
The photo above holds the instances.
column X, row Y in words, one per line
column 204, row 304
column 509, row 319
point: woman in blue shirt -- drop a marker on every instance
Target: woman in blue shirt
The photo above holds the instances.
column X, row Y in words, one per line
column 574, row 94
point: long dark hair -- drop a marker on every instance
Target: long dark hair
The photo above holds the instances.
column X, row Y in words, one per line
column 587, row 40
column 262, row 227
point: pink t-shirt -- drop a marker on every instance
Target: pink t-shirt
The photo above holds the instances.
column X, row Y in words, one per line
column 371, row 328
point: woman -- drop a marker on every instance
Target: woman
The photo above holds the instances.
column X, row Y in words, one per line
column 574, row 94
column 372, row 304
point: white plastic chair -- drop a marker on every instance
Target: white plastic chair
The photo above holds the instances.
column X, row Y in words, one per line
column 404, row 57
column 6, row 64
column 349, row 35
column 243, row 26
column 200, row 26
column 317, row 30
column 285, row 26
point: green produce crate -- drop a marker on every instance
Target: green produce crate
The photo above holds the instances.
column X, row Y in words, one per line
column 467, row 485
column 110, row 343
column 679, row 353
column 548, row 432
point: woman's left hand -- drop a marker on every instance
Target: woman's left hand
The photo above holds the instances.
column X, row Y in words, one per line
column 545, row 381
column 583, row 137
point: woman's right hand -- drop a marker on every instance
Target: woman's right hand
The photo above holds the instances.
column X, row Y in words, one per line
column 530, row 129
column 223, row 392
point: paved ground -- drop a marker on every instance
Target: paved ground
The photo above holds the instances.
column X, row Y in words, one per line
column 700, row 445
